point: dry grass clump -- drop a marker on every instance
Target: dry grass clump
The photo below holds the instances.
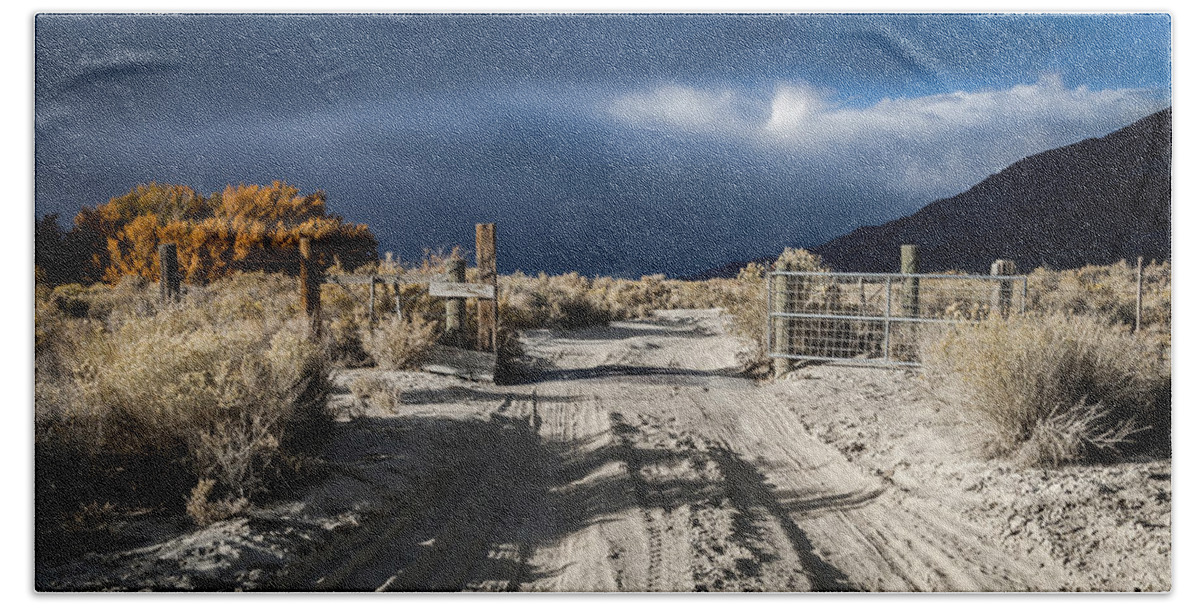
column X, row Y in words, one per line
column 375, row 391
column 347, row 310
column 204, row 509
column 221, row 390
column 1107, row 292
column 561, row 301
column 1051, row 389
column 571, row 300
column 399, row 343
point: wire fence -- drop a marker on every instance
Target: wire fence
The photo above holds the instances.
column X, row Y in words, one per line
column 1131, row 294
column 876, row 318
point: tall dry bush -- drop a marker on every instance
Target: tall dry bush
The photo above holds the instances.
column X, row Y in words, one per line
column 544, row 301
column 746, row 304
column 224, row 386
column 1050, row 389
column 399, row 343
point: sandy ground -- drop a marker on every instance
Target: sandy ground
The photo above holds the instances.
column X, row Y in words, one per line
column 637, row 460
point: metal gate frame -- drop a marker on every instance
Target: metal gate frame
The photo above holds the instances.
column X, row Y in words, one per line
column 889, row 316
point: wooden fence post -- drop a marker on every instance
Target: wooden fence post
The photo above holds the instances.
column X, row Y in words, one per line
column 1137, row 320
column 1002, row 292
column 456, row 308
column 396, row 292
column 168, row 265
column 910, row 294
column 310, row 288
column 485, row 260
column 371, row 304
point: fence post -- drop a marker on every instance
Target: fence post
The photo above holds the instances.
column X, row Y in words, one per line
column 456, row 308
column 1137, row 320
column 396, row 291
column 781, row 365
column 1003, row 291
column 485, row 260
column 910, row 294
column 887, row 320
column 371, row 305
column 168, row 265
column 310, row 288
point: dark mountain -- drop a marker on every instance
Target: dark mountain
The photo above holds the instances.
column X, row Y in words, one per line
column 1092, row 202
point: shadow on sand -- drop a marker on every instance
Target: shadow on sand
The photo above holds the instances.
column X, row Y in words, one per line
column 470, row 499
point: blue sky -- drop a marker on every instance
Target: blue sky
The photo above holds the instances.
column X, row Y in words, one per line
column 622, row 144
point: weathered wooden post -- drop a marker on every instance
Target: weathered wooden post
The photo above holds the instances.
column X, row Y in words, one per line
column 456, row 308
column 910, row 294
column 371, row 304
column 396, row 291
column 1137, row 320
column 1002, row 291
column 485, row 260
column 310, row 288
column 168, row 265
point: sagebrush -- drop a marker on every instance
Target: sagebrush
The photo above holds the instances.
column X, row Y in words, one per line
column 399, row 343
column 1051, row 389
column 224, row 386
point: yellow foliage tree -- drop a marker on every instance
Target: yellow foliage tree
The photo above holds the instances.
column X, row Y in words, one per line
column 243, row 228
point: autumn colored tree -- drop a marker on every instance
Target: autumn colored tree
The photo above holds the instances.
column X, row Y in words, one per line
column 243, row 228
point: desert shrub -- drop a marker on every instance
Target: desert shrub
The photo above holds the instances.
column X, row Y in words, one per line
column 746, row 304
column 204, row 509
column 1050, row 389
column 222, row 386
column 71, row 300
column 345, row 319
column 399, row 343
column 226, row 393
column 376, row 391
column 560, row 301
column 254, row 296
column 509, row 357
column 1107, row 292
column 571, row 300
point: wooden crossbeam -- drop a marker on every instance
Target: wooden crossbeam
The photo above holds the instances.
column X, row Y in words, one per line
column 462, row 290
column 407, row 278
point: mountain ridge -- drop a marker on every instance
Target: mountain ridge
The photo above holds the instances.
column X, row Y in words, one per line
column 1095, row 201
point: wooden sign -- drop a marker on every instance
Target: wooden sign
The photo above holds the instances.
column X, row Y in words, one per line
column 462, row 290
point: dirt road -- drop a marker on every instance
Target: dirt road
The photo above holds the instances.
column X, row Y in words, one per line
column 635, row 461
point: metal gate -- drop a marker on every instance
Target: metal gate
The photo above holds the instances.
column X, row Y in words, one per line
column 876, row 318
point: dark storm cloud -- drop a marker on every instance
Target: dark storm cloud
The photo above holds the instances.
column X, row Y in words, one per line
column 621, row 144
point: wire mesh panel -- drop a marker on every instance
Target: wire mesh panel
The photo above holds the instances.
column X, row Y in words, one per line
column 875, row 317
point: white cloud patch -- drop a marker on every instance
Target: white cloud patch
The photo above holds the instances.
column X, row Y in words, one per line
column 677, row 106
column 796, row 109
column 928, row 146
